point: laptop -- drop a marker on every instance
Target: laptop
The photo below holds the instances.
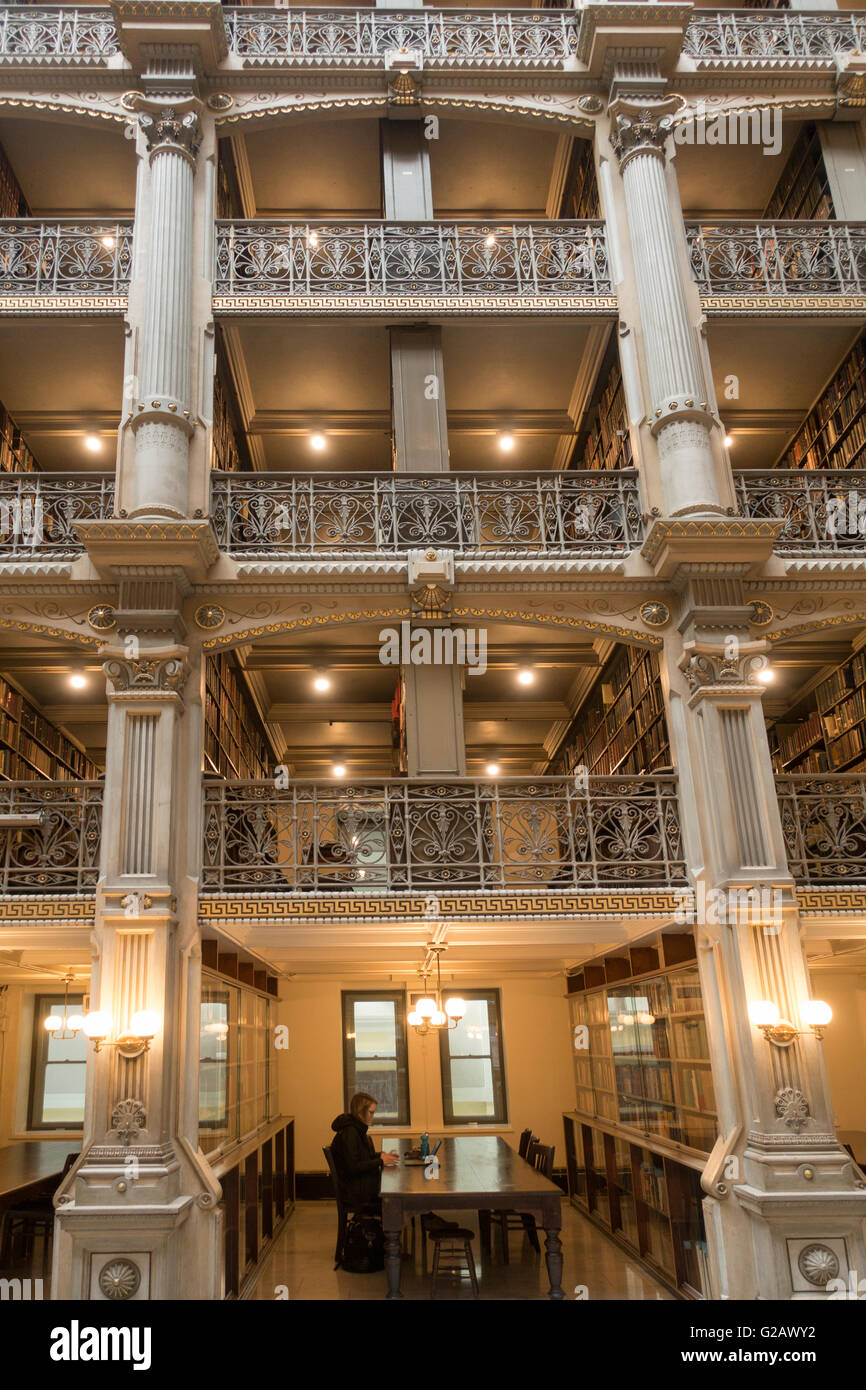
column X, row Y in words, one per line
column 419, row 1162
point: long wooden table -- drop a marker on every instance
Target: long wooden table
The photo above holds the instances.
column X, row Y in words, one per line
column 26, row 1168
column 476, row 1173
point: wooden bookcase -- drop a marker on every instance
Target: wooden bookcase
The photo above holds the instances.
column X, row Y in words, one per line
column 621, row 726
column 229, row 449
column 236, row 744
column 604, row 443
column 32, row 749
column 398, row 727
column 15, row 457
column 830, row 733
column 12, row 200
column 644, row 1121
column 833, row 435
column 803, row 190
column 580, row 198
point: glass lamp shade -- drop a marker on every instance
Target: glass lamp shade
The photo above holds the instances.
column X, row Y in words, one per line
column 646, row 1019
column 455, row 1008
column 144, row 1024
column 75, row 1022
column 439, row 1019
column 97, row 1025
column 53, row 1022
column 415, row 1020
column 816, row 1013
column 763, row 1013
column 426, row 1007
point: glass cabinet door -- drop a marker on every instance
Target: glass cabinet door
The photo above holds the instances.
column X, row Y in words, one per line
column 693, row 1077
column 622, row 1005
column 581, row 1054
column 653, row 1034
column 603, row 1087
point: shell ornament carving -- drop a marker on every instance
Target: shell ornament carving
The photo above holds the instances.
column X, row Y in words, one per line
column 792, row 1107
column 128, row 1119
column 819, row 1264
column 655, row 614
column 121, row 1279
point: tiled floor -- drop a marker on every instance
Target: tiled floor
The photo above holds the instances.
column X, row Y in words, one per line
column 302, row 1263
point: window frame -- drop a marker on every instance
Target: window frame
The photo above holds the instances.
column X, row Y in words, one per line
column 497, row 1064
column 398, row 998
column 42, row 1005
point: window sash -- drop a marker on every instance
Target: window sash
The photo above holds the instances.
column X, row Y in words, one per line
column 399, row 1057
column 40, row 1059
column 494, row 1056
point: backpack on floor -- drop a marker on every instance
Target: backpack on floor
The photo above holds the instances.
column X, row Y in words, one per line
column 363, row 1246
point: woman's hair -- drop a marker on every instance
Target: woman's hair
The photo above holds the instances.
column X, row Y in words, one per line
column 358, row 1104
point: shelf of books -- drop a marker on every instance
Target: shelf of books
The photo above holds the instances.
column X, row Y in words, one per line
column 607, row 443
column 12, row 200
column 803, row 189
column 15, row 457
column 31, row 748
column 236, row 744
column 229, row 451
column 833, row 435
column 580, row 198
column 644, row 1118
column 830, row 733
column 621, row 726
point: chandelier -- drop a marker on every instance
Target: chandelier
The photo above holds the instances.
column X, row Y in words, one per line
column 429, row 1015
column 71, row 1024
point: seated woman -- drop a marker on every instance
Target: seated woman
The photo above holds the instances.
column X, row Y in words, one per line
column 358, row 1165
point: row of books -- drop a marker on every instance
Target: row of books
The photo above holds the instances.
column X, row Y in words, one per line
column 12, row 200
column 834, row 432
column 653, row 1083
column 690, row 1038
column 696, row 1088
column 581, row 193
column 800, row 739
column 844, row 715
column 33, row 745
column 802, row 186
column 653, row 1186
column 236, row 744
column 15, row 457
column 843, row 750
column 837, row 685
column 608, row 444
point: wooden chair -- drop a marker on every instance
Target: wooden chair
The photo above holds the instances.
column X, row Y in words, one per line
column 455, row 1243
column 511, row 1220
column 29, row 1218
column 342, row 1208
column 542, row 1160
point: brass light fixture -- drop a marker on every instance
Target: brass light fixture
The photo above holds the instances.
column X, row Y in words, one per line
column 428, row 1015
column 780, row 1031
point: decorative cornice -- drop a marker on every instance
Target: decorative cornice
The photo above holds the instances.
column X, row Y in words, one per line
column 310, row 907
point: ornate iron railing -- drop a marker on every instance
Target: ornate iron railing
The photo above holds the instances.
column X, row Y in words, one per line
column 51, row 31
column 386, row 513
column 430, row 258
column 60, row 853
column 778, row 258
column 822, row 510
column 39, row 511
column 396, row 835
column 527, row 37
column 75, row 256
column 780, row 34
column 824, row 825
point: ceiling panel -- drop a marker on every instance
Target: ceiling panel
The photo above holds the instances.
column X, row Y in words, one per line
column 67, row 168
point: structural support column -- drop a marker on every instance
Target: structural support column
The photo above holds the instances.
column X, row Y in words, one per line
column 435, row 738
column 138, row 1216
column 785, row 1207
column 679, row 415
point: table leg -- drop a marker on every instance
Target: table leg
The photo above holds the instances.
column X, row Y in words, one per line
column 484, row 1231
column 393, row 1236
column 553, row 1258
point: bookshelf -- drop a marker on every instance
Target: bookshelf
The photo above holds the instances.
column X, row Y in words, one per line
column 620, row 727
column 228, row 196
column 644, row 1119
column 32, row 749
column 12, row 200
column 833, row 435
column 605, row 444
column 830, row 736
column 15, row 457
column 580, row 198
column 398, row 728
column 229, row 451
column 236, row 744
column 803, row 190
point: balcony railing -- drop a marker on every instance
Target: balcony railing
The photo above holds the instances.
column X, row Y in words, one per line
column 822, row 510
column 768, row 34
column 530, row 38
column 75, row 256
column 59, row 851
column 386, row 514
column 52, row 31
column 39, row 512
column 441, row 259
column 778, row 258
column 400, row 836
column 824, row 825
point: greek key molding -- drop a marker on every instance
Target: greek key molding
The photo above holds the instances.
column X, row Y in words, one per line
column 494, row 907
column 299, row 305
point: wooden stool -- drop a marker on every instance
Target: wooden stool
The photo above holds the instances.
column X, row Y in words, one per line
column 455, row 1242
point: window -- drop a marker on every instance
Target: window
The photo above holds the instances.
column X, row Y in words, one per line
column 236, row 1079
column 375, row 1057
column 473, row 1075
column 59, row 1067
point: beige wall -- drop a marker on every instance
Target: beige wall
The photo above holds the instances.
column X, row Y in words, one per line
column 845, row 1043
column 538, row 1070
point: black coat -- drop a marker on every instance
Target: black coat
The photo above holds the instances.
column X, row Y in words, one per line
column 358, row 1165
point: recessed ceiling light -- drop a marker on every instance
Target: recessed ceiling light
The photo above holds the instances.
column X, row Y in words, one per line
column 338, row 770
column 321, row 683
column 728, row 441
column 525, row 677
column 506, row 443
column 93, row 443
column 318, row 442
column 77, row 682
column 492, row 769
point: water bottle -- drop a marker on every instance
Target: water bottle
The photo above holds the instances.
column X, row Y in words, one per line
column 425, row 1144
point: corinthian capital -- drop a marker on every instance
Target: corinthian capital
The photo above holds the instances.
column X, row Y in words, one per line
column 149, row 674
column 169, row 128
column 640, row 126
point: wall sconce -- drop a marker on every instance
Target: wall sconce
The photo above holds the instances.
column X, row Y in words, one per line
column 765, row 1015
column 142, row 1029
